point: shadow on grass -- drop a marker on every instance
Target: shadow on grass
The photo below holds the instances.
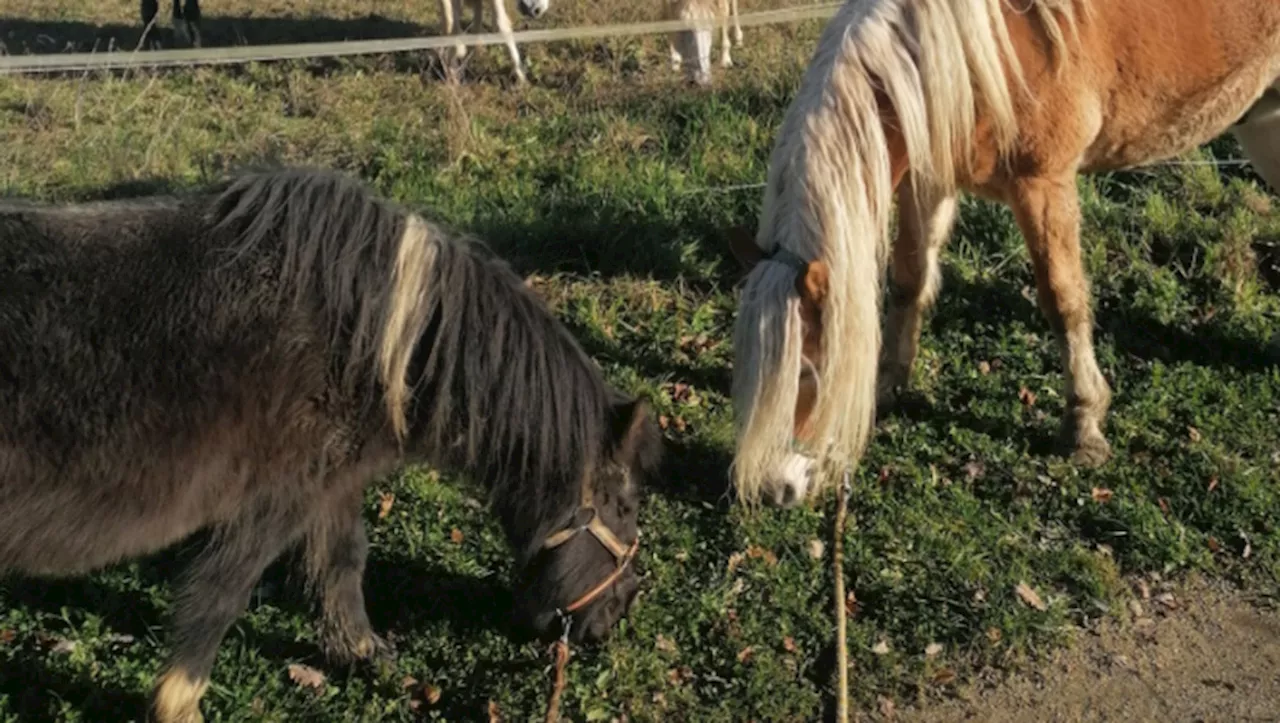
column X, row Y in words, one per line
column 38, row 37
column 403, row 595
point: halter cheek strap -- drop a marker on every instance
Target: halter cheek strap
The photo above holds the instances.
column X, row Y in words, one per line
column 587, row 519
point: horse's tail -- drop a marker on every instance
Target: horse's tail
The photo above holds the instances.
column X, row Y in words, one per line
column 929, row 65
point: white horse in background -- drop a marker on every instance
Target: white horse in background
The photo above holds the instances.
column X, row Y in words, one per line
column 451, row 24
column 692, row 48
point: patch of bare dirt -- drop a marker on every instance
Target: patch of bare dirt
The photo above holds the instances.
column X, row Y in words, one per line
column 1213, row 656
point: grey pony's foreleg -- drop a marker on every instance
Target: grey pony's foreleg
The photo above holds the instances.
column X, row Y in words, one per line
column 215, row 593
column 336, row 551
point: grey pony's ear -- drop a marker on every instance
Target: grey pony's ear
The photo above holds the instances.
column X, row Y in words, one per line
column 742, row 243
column 629, row 421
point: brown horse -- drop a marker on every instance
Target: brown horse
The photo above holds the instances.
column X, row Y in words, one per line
column 247, row 361
column 923, row 99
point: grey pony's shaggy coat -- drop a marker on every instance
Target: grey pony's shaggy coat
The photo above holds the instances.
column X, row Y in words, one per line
column 248, row 360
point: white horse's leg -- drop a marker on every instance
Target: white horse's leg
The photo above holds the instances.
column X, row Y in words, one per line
column 1259, row 137
column 504, row 27
column 449, row 22
column 737, row 26
column 924, row 226
column 722, row 15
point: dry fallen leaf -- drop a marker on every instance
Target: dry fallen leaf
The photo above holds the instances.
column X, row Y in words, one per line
column 1167, row 600
column 385, row 500
column 887, row 708
column 974, row 469
column 1193, row 434
column 881, row 648
column 664, row 421
column 994, row 634
column 680, row 424
column 946, row 676
column 681, row 392
column 1027, row 397
column 1101, row 495
column 1213, row 544
column 495, row 715
column 456, row 536
column 1144, row 590
column 932, row 650
column 680, row 675
column 1030, row 597
column 306, row 676
column 745, row 654
column 665, row 644
column 7, row 636
column 851, row 604
column 984, row 368
column 65, row 647
column 789, row 644
column 1164, row 505
column 735, row 559
column 817, row 548
column 1245, row 553
column 431, row 694
column 1213, row 483
column 408, row 681
column 755, row 551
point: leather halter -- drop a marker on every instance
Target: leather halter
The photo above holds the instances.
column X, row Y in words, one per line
column 788, row 258
column 587, row 519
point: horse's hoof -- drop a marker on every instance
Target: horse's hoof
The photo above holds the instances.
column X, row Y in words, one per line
column 1093, row 452
column 726, row 62
column 368, row 648
column 1088, row 449
column 737, row 37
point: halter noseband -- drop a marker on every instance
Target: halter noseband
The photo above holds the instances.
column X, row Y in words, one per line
column 622, row 554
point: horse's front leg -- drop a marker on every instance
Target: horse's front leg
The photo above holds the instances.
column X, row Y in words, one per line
column 924, row 225
column 450, row 24
column 336, row 550
column 722, row 15
column 504, row 27
column 1048, row 213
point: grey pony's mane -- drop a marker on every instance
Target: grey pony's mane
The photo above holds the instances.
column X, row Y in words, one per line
column 494, row 382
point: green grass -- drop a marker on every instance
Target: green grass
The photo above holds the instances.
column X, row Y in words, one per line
column 596, row 183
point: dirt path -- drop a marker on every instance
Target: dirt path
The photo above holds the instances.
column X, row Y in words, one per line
column 1215, row 657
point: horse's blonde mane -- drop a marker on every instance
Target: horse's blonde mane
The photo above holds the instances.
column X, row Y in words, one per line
column 829, row 196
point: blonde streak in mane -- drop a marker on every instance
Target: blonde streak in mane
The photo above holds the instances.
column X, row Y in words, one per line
column 406, row 314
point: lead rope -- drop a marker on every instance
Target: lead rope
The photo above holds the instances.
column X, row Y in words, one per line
column 837, row 557
column 560, row 656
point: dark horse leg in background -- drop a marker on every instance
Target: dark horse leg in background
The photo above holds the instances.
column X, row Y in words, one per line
column 186, row 20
